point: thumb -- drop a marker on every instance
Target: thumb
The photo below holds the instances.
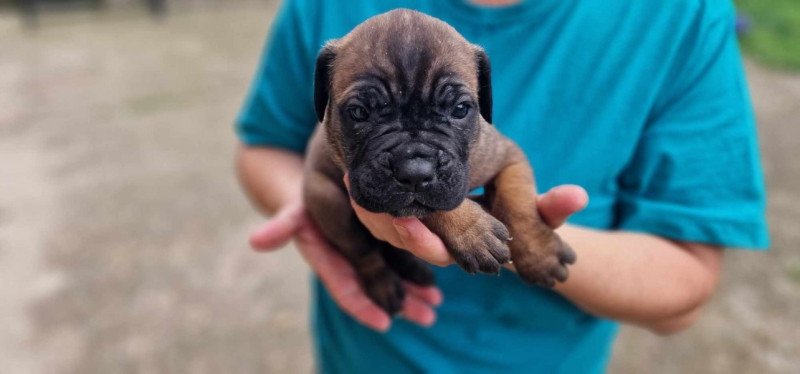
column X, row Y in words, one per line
column 559, row 203
column 420, row 241
column 279, row 229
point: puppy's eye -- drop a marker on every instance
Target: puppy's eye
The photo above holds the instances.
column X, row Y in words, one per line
column 461, row 110
column 358, row 113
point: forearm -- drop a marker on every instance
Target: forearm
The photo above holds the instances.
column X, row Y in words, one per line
column 632, row 277
column 639, row 278
column 272, row 177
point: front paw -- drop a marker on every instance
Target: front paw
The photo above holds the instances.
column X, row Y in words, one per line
column 547, row 264
column 481, row 247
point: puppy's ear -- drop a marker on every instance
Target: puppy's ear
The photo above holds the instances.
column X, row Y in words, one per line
column 484, row 85
column 322, row 79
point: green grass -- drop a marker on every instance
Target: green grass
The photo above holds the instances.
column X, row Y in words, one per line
column 774, row 34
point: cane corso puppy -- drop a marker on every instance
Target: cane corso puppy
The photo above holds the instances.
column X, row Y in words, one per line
column 405, row 105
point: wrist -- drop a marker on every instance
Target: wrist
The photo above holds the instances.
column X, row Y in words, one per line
column 258, row 168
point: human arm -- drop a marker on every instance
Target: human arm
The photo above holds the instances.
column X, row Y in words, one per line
column 640, row 278
column 632, row 277
column 274, row 126
column 693, row 178
column 282, row 199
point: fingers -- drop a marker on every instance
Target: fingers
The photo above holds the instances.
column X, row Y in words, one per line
column 340, row 280
column 353, row 301
column 378, row 224
column 337, row 275
column 430, row 295
column 419, row 304
column 418, row 311
column 559, row 203
column 408, row 233
column 279, row 229
column 420, row 241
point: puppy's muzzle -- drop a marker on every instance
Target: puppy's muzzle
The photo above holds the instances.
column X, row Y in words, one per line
column 415, row 166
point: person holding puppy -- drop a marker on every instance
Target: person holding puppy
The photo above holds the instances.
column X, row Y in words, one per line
column 644, row 106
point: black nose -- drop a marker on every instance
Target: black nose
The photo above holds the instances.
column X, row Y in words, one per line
column 415, row 173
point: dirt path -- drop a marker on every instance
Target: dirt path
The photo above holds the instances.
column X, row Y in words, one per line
column 25, row 202
column 122, row 229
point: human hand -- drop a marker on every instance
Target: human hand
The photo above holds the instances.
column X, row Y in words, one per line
column 336, row 274
column 409, row 233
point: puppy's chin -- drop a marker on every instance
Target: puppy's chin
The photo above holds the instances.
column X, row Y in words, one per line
column 384, row 197
column 415, row 209
column 412, row 209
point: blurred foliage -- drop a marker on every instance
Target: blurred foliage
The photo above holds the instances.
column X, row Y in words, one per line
column 794, row 271
column 773, row 35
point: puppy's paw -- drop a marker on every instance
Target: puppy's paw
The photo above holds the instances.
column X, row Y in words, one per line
column 420, row 275
column 481, row 247
column 408, row 266
column 547, row 264
column 385, row 290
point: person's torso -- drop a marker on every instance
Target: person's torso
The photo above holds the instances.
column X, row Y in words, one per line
column 574, row 83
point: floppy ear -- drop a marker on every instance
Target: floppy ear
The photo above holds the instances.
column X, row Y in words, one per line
column 484, row 85
column 322, row 81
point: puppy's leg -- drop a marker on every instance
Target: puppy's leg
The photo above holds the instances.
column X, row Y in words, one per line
column 475, row 239
column 407, row 266
column 329, row 206
column 539, row 255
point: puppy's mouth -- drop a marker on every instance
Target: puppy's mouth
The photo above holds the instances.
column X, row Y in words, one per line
column 378, row 188
column 402, row 204
column 413, row 209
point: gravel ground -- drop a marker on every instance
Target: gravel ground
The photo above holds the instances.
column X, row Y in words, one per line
column 123, row 231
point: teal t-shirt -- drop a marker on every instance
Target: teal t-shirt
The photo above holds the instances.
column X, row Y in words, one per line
column 643, row 103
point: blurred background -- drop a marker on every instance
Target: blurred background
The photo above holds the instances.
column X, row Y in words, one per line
column 123, row 230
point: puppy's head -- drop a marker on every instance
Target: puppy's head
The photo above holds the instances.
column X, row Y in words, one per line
column 401, row 98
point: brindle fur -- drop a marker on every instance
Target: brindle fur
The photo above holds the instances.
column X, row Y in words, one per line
column 390, row 46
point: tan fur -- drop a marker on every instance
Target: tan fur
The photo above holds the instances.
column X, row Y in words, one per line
column 476, row 239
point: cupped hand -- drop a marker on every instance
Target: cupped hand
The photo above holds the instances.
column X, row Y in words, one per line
column 409, row 233
column 336, row 274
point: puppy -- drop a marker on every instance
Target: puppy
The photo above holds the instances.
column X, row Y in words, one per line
column 405, row 106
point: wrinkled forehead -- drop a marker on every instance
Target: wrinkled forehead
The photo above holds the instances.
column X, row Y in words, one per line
column 405, row 57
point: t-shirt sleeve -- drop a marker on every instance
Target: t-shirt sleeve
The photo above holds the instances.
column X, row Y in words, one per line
column 696, row 173
column 279, row 110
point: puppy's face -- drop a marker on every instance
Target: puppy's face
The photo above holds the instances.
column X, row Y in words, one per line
column 403, row 108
